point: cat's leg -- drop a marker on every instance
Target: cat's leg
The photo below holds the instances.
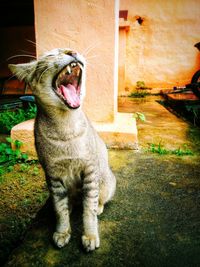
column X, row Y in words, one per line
column 107, row 189
column 60, row 201
column 90, row 238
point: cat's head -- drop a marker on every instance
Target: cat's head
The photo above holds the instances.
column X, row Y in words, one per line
column 57, row 78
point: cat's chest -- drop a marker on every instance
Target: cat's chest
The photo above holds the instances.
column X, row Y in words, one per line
column 53, row 145
column 72, row 170
column 75, row 149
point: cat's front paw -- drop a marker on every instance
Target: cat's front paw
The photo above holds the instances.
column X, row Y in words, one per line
column 100, row 209
column 90, row 242
column 61, row 239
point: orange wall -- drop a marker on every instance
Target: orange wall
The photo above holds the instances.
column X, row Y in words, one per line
column 88, row 27
column 161, row 50
column 122, row 60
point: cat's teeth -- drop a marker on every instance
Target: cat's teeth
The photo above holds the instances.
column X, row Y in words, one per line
column 73, row 64
column 68, row 69
column 79, row 64
column 78, row 72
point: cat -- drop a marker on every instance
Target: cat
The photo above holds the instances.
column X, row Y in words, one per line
column 69, row 149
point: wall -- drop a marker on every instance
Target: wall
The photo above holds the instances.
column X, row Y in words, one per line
column 87, row 26
column 122, row 60
column 160, row 51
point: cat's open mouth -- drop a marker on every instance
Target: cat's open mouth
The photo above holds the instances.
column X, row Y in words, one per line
column 67, row 84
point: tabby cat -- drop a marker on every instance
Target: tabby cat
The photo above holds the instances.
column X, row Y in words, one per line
column 68, row 147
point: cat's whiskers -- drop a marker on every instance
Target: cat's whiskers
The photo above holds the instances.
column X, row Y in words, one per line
column 51, row 67
column 22, row 75
column 27, row 52
column 36, row 44
column 31, row 56
column 10, row 78
column 30, row 41
column 90, row 48
column 94, row 56
column 93, row 66
column 41, row 67
column 63, row 36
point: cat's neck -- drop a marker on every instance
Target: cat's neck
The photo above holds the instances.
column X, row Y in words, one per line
column 66, row 122
column 54, row 113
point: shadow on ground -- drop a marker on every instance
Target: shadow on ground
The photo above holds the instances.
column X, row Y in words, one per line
column 154, row 219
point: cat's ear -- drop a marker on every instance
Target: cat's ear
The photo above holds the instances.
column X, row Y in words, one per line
column 23, row 71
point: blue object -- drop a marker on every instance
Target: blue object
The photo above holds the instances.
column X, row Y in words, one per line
column 28, row 98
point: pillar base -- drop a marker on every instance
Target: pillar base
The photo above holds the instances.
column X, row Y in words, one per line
column 122, row 134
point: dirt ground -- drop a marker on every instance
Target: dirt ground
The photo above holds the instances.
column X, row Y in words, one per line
column 153, row 220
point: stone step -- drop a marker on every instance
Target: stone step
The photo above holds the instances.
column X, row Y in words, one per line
column 121, row 134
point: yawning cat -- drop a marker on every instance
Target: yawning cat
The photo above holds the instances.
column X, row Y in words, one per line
column 69, row 149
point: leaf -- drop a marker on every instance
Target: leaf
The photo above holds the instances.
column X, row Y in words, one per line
column 18, row 143
column 10, row 118
column 17, row 152
column 9, row 140
column 3, row 147
column 8, row 151
column 24, row 156
column 10, row 168
column 3, row 159
column 140, row 116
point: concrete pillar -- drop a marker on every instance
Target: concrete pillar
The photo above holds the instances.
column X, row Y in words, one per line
column 88, row 26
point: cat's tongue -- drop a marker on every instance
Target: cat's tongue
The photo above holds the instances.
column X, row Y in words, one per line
column 70, row 94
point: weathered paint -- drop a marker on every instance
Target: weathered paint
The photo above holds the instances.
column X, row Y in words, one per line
column 160, row 51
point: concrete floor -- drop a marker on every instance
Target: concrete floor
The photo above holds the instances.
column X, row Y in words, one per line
column 154, row 219
column 161, row 126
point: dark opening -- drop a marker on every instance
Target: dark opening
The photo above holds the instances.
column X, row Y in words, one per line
column 17, row 38
column 16, row 13
column 123, row 14
column 140, row 20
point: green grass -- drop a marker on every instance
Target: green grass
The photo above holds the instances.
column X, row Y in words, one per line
column 161, row 150
column 141, row 90
column 10, row 118
column 139, row 93
column 10, row 156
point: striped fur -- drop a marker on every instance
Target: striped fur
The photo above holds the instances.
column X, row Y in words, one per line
column 72, row 154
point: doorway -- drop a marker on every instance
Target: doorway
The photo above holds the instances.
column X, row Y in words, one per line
column 17, row 42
